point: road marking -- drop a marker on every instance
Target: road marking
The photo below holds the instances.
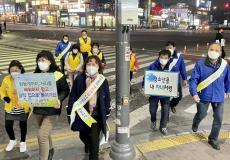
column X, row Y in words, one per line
column 174, row 141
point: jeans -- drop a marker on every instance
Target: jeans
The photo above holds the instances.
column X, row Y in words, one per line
column 175, row 101
column 218, row 109
column 153, row 101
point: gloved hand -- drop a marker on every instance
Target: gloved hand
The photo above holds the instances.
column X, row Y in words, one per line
column 7, row 99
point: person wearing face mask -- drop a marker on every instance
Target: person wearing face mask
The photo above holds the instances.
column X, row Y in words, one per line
column 85, row 44
column 178, row 65
column 90, row 94
column 96, row 51
column 74, row 62
column 14, row 111
column 47, row 116
column 220, row 39
column 161, row 64
column 209, row 84
column 62, row 49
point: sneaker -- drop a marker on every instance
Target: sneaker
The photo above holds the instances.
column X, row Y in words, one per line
column 164, row 131
column 194, row 128
column 154, row 126
column 23, row 147
column 214, row 144
column 11, row 145
column 173, row 109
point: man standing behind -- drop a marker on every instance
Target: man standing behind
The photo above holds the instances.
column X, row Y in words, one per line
column 209, row 82
column 178, row 65
column 62, row 49
column 220, row 39
column 85, row 44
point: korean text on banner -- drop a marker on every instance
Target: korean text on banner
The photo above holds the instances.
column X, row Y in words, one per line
column 161, row 83
column 38, row 89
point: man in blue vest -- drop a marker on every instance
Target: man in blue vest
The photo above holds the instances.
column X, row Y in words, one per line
column 178, row 65
column 62, row 50
column 209, row 84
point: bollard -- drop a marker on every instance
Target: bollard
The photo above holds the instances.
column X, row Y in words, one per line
column 207, row 45
column 197, row 47
column 185, row 49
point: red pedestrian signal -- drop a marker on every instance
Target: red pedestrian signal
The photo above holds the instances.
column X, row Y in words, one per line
column 226, row 5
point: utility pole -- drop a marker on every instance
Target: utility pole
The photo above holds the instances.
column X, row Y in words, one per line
column 126, row 15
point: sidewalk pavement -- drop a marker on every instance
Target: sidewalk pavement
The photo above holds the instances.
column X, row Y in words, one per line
column 187, row 146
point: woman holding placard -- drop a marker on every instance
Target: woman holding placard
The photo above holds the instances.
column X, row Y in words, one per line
column 89, row 105
column 15, row 111
column 47, row 116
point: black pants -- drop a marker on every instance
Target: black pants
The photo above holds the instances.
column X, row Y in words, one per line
column 85, row 55
column 153, row 106
column 9, row 124
column 175, row 101
column 92, row 140
column 63, row 66
column 223, row 53
column 131, row 75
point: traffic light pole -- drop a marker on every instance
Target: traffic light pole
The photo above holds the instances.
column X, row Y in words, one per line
column 122, row 149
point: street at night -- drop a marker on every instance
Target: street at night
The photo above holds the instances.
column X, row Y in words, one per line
column 114, row 80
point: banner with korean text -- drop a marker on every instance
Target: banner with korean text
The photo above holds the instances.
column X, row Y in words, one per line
column 37, row 89
column 161, row 83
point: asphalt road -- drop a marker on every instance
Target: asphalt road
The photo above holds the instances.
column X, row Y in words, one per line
column 148, row 39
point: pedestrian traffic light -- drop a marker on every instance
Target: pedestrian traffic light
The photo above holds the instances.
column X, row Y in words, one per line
column 226, row 5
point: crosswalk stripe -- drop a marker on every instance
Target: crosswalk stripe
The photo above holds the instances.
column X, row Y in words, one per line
column 27, row 57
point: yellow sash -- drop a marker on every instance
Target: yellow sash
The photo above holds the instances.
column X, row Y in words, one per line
column 78, row 106
column 205, row 83
column 64, row 51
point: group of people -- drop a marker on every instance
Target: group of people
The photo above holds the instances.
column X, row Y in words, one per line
column 84, row 63
column 209, row 84
column 89, row 98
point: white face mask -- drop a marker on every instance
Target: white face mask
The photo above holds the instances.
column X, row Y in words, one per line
column 163, row 61
column 65, row 41
column 84, row 37
column 213, row 55
column 75, row 51
column 95, row 50
column 91, row 70
column 14, row 73
column 43, row 66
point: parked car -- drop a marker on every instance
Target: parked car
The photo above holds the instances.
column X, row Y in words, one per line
column 191, row 27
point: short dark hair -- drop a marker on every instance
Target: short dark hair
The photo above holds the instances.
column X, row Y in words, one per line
column 84, row 31
column 49, row 56
column 65, row 36
column 220, row 28
column 16, row 63
column 96, row 44
column 165, row 52
column 170, row 43
column 75, row 46
column 97, row 61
